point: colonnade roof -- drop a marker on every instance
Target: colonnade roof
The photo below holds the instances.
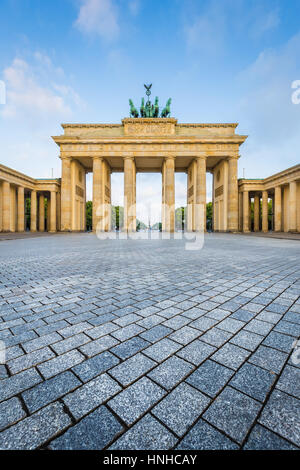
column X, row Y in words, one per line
column 278, row 179
column 17, row 178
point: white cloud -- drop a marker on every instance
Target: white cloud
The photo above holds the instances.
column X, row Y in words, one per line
column 28, row 94
column 98, row 17
column 38, row 99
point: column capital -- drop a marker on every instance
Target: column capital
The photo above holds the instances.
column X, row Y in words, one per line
column 65, row 157
column 129, row 157
column 232, row 157
column 200, row 157
column 170, row 157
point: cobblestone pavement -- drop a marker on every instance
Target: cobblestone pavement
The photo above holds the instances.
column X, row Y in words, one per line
column 144, row 345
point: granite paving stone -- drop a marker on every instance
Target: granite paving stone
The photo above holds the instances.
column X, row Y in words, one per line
column 233, row 412
column 130, row 347
column 204, row 323
column 68, row 344
column 156, row 333
column 196, row 352
column 90, row 395
column 94, row 432
column 162, row 349
column 259, row 327
column 28, row 360
column 11, row 411
column 269, row 358
column 208, row 337
column 185, row 335
column 127, row 332
column 210, row 377
column 60, row 363
column 280, row 415
column 18, row 383
column 133, row 368
column 288, row 328
column 95, row 347
column 231, row 356
column 171, row 372
column 50, row 390
column 254, row 381
column 279, row 341
column 246, row 339
column 261, row 438
column 94, row 366
column 181, row 408
column 146, row 434
column 34, row 431
column 136, row 399
column 289, row 381
column 202, row 436
column 216, row 337
column 231, row 325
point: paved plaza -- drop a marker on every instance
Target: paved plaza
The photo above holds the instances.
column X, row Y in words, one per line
column 145, row 345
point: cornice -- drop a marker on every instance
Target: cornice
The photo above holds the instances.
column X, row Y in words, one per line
column 65, row 126
column 17, row 174
column 151, row 121
column 235, row 139
column 199, row 124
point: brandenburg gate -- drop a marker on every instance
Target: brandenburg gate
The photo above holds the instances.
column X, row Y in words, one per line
column 149, row 145
column 150, row 141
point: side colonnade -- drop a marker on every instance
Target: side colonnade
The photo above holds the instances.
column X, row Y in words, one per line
column 27, row 203
column 274, row 203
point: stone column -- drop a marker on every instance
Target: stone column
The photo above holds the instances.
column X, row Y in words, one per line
column 33, row 211
column 201, row 194
column 42, row 213
column 163, row 201
column 66, row 207
column 240, row 211
column 265, row 224
column 129, row 194
column 52, row 227
column 246, row 212
column 169, row 194
column 233, row 204
column 293, row 207
column 21, row 214
column 98, row 193
column 277, row 209
column 256, row 213
column 6, row 206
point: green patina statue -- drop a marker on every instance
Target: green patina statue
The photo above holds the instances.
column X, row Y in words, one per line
column 133, row 111
column 149, row 110
column 166, row 111
column 142, row 108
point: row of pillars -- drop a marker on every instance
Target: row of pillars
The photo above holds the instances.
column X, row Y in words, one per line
column 168, row 194
column 277, row 209
column 37, row 203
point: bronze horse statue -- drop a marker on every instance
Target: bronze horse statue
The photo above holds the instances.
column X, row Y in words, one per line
column 167, row 110
column 142, row 108
column 133, row 111
column 156, row 108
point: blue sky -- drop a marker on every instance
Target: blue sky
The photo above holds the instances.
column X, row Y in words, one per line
column 80, row 61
